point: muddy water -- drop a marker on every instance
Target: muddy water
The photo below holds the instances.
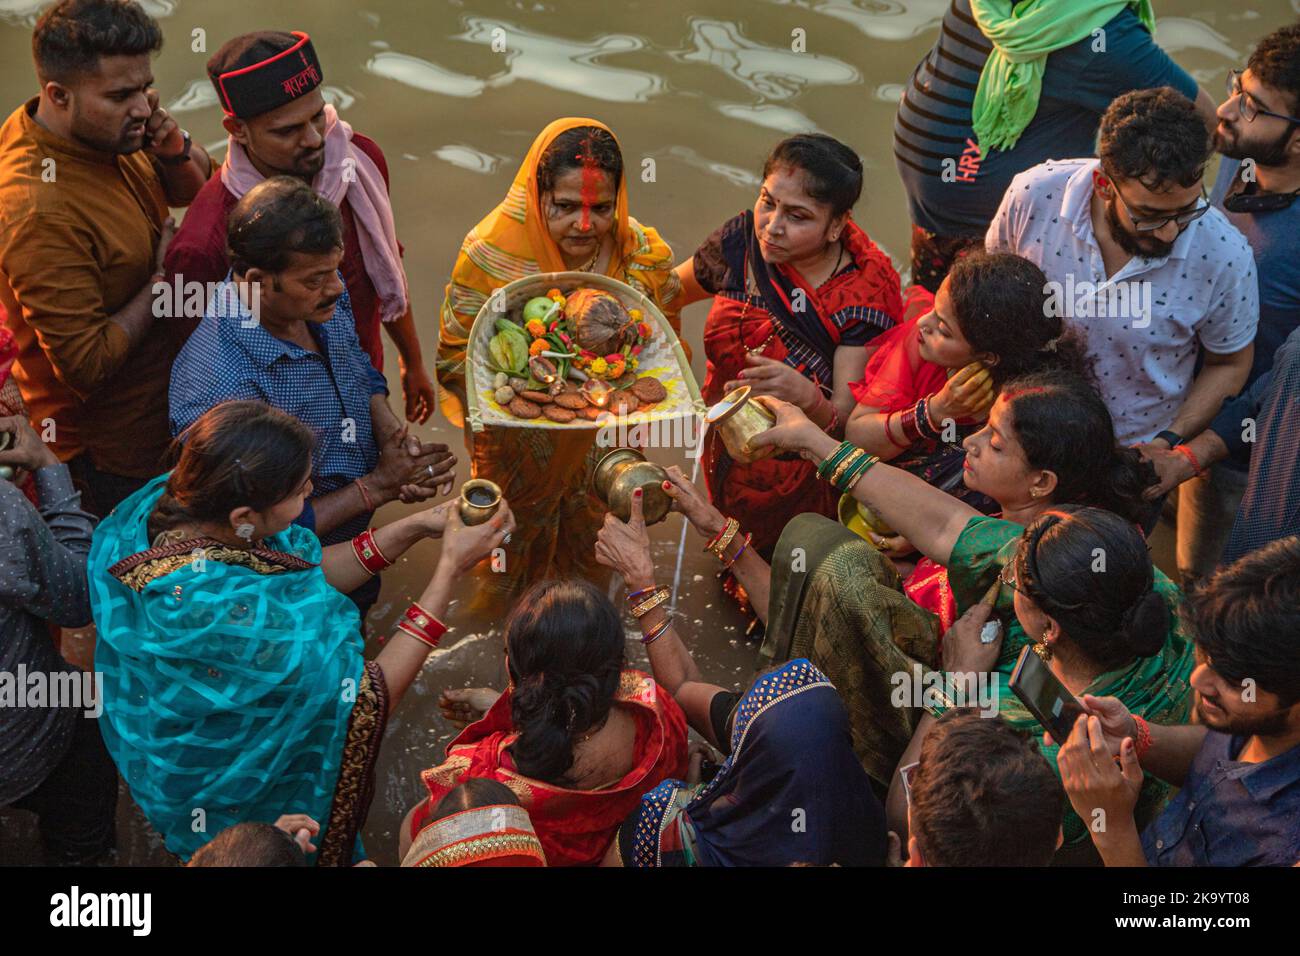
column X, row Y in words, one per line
column 702, row 88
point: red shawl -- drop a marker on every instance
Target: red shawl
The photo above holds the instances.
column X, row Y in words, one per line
column 765, row 495
column 574, row 826
column 896, row 377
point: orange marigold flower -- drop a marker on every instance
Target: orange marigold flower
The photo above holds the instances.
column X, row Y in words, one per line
column 538, row 347
column 536, row 328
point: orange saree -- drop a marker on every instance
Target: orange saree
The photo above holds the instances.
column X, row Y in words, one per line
column 545, row 475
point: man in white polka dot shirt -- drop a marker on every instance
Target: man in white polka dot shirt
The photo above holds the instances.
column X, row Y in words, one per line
column 1139, row 262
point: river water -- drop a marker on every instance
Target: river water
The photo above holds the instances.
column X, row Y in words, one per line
column 454, row 94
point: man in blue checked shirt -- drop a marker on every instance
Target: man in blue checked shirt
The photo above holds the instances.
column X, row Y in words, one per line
column 279, row 330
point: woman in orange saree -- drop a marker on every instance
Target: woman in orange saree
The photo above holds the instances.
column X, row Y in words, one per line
column 577, row 736
column 567, row 210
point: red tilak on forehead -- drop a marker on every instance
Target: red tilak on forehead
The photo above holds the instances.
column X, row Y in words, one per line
column 590, row 181
column 1030, row 390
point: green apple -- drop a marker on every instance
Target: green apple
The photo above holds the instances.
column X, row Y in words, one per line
column 537, row 308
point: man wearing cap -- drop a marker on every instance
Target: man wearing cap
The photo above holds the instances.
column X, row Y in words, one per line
column 268, row 85
column 87, row 171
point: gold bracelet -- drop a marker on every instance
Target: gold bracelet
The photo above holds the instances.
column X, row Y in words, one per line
column 652, row 602
column 729, row 532
column 845, row 465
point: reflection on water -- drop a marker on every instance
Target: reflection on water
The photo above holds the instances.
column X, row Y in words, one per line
column 423, row 75
column 773, row 72
column 733, row 174
column 566, row 65
column 704, row 86
column 467, row 157
column 770, row 116
column 881, row 19
column 1180, row 34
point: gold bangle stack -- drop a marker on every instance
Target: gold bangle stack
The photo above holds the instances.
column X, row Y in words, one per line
column 653, row 601
column 729, row 531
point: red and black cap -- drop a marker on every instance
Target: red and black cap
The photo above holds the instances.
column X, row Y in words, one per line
column 258, row 72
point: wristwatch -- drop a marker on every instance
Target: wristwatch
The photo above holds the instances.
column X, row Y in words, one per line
column 184, row 155
column 1171, row 436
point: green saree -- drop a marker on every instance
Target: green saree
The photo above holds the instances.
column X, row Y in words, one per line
column 840, row 603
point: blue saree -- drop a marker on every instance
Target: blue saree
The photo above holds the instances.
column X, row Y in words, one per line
column 234, row 686
column 791, row 791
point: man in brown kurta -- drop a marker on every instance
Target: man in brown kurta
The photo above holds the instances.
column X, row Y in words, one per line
column 87, row 171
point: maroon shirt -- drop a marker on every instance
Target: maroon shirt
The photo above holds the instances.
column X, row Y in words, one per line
column 198, row 253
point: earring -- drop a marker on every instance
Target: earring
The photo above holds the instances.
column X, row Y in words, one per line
column 245, row 531
column 1043, row 650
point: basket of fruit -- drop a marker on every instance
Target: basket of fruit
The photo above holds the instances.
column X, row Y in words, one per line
column 575, row 350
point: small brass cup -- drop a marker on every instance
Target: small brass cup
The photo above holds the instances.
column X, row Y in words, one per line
column 622, row 471
column 479, row 501
column 738, row 418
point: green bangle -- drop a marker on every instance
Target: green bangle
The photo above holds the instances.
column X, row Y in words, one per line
column 860, row 468
column 833, row 460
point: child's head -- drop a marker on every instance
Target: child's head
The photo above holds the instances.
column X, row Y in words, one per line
column 995, row 308
column 250, row 844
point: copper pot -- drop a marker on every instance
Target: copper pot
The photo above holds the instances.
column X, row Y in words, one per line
column 622, row 471
column 738, row 418
column 479, row 501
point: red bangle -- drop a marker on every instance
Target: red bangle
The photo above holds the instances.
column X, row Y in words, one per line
column 907, row 421
column 1188, row 454
column 365, row 495
column 1143, row 742
column 421, row 625
column 367, row 551
column 889, row 431
column 743, row 545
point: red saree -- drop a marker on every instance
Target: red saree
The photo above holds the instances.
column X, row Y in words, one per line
column 773, row 311
column 575, row 826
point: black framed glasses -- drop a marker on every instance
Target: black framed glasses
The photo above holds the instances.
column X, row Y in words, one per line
column 1247, row 106
column 1181, row 219
column 1008, row 575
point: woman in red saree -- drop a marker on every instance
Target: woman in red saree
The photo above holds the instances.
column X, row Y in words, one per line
column 799, row 290
column 578, row 737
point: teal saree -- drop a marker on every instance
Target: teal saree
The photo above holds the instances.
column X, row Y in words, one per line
column 234, row 684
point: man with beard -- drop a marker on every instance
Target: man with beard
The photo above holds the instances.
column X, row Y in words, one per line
column 1239, row 768
column 1142, row 266
column 268, row 85
column 1259, row 180
column 87, row 171
column 279, row 330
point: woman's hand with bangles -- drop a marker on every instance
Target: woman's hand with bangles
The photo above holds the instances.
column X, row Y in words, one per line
column 465, row 546
column 966, row 396
column 693, row 504
column 625, row 546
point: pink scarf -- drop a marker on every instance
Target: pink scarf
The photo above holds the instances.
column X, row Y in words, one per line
column 371, row 207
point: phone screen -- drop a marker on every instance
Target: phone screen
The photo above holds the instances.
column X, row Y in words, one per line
column 1045, row 696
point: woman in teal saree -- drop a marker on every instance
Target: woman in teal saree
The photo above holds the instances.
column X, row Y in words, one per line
column 234, row 683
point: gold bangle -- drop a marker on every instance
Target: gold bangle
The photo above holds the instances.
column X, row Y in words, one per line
column 728, row 533
column 650, row 603
column 845, row 465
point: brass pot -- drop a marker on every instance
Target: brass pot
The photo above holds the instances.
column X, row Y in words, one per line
column 622, row 471
column 738, row 418
column 479, row 501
